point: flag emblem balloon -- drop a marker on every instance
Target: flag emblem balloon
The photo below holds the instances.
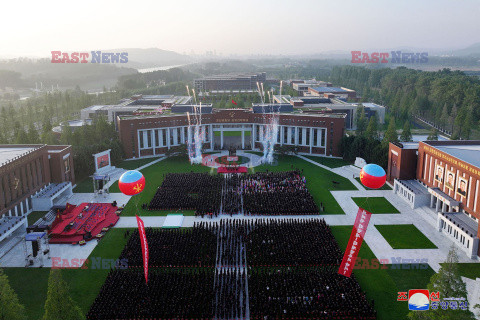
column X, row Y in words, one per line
column 131, row 182
column 373, row 176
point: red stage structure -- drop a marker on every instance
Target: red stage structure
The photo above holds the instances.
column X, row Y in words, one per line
column 83, row 222
column 232, row 169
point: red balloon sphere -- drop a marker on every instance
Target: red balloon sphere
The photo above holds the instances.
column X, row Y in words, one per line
column 131, row 182
column 373, row 176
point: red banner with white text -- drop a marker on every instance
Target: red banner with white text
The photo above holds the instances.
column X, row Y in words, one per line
column 355, row 242
column 143, row 241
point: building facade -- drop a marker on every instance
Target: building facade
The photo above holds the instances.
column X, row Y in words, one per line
column 448, row 172
column 310, row 133
column 230, row 82
column 26, row 169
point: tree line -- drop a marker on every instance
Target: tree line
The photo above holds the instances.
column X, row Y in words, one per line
column 449, row 99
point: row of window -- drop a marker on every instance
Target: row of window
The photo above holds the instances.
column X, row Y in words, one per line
column 177, row 136
column 289, row 134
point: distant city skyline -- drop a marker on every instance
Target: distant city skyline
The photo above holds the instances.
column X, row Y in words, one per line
column 244, row 27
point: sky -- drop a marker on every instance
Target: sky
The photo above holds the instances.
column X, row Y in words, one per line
column 264, row 27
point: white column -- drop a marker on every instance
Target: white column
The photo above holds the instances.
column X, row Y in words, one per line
column 297, row 130
column 304, row 136
column 282, row 133
column 189, row 135
column 253, row 136
column 437, row 206
column 183, row 135
column 311, row 139
column 21, row 208
column 16, row 211
column 221, row 136
column 153, row 140
column 139, row 132
column 431, row 200
column 319, row 137
column 243, row 138
column 212, row 138
column 289, row 135
column 168, row 138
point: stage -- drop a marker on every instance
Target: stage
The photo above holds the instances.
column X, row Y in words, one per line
column 83, row 222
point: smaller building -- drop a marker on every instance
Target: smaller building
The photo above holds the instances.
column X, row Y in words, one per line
column 444, row 178
column 339, row 92
column 230, row 82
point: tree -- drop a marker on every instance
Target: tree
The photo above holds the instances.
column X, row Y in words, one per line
column 360, row 120
column 391, row 133
column 448, row 283
column 10, row 307
column 406, row 132
column 59, row 305
column 433, row 136
column 372, row 128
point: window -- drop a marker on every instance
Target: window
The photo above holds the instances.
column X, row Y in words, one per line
column 141, row 139
column 149, row 139
column 300, row 136
column 315, row 137
column 157, row 142
column 307, row 140
column 66, row 164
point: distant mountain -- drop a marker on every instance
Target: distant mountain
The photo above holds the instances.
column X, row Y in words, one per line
column 473, row 50
column 152, row 57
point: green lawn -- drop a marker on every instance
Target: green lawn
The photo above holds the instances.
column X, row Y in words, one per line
column 329, row 162
column 34, row 216
column 384, row 187
column 375, row 204
column 154, row 175
column 232, row 133
column 319, row 181
column 382, row 285
column 86, row 185
column 405, row 236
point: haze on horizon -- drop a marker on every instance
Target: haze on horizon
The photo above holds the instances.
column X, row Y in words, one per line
column 237, row 27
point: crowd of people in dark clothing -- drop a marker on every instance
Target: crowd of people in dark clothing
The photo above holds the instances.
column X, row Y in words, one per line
column 231, row 298
column 264, row 193
column 292, row 243
column 189, row 191
column 234, row 269
column 306, row 293
column 171, row 293
column 174, row 247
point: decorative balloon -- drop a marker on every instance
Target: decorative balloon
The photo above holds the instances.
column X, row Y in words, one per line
column 373, row 176
column 131, row 182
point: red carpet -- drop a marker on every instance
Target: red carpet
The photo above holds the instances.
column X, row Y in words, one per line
column 232, row 169
column 93, row 220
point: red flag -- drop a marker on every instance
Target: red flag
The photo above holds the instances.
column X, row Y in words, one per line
column 355, row 242
column 143, row 241
column 233, row 101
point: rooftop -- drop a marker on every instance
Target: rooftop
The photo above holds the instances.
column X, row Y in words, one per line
column 10, row 153
column 467, row 153
column 329, row 89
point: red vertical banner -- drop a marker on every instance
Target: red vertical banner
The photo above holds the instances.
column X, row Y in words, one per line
column 355, row 242
column 143, row 241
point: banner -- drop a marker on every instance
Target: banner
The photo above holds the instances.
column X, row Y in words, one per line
column 143, row 241
column 355, row 242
